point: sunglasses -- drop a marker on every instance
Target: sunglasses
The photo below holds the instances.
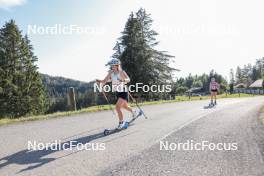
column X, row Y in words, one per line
column 114, row 66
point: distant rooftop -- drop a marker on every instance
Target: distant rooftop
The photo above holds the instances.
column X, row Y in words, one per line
column 240, row 85
column 257, row 84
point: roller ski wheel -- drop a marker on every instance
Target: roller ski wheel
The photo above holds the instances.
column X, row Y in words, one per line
column 106, row 132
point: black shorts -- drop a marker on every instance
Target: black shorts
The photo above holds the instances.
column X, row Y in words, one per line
column 123, row 95
column 214, row 90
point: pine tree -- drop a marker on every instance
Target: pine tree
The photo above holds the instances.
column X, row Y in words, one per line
column 255, row 74
column 136, row 50
column 232, row 76
column 21, row 90
column 232, row 81
column 239, row 78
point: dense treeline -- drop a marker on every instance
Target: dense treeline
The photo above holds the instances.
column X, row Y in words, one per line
column 245, row 75
column 249, row 73
column 21, row 90
column 201, row 82
column 57, row 88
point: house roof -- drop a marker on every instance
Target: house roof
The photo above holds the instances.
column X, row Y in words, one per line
column 194, row 89
column 240, row 85
column 257, row 84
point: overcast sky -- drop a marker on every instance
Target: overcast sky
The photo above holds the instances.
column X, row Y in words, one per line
column 201, row 34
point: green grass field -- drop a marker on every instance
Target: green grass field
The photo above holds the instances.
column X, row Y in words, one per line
column 5, row 121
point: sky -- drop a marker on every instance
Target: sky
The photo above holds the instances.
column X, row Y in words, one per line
column 201, row 34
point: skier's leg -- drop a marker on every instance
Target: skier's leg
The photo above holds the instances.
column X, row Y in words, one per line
column 124, row 99
column 127, row 107
column 212, row 94
column 118, row 109
column 119, row 105
column 215, row 97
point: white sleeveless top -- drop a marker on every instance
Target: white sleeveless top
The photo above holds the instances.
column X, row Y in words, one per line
column 117, row 85
column 115, row 78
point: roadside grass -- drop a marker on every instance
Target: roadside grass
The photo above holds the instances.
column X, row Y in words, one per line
column 186, row 98
column 4, row 121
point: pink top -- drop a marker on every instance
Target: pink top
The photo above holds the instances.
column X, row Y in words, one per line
column 214, row 85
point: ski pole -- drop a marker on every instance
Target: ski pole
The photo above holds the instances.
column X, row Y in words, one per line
column 134, row 100
column 108, row 102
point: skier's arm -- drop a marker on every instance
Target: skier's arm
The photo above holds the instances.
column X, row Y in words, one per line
column 124, row 77
column 210, row 87
column 105, row 80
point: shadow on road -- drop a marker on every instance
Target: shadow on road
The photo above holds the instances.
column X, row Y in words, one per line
column 36, row 157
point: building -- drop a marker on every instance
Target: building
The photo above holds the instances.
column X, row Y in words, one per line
column 258, row 84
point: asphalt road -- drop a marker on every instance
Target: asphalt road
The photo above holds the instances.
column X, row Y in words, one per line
column 136, row 151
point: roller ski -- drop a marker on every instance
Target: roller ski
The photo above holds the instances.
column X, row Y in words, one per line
column 123, row 125
column 211, row 105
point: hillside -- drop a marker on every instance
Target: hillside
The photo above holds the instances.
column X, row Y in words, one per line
column 56, row 88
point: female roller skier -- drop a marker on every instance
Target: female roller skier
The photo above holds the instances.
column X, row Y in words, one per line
column 119, row 79
column 214, row 88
